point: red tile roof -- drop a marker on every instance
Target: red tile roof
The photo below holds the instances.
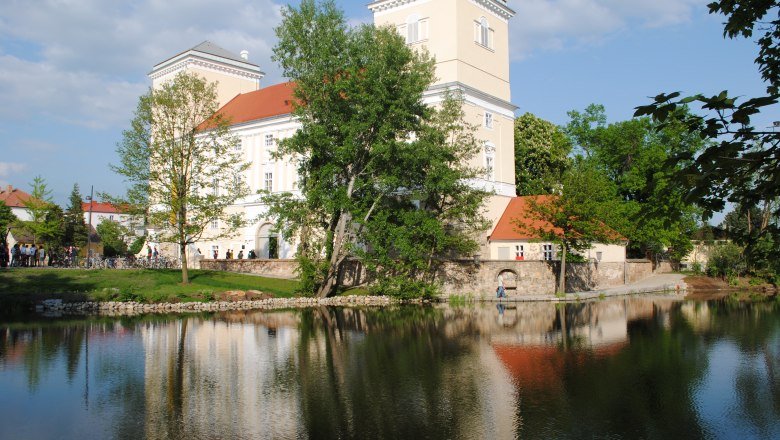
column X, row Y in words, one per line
column 518, row 211
column 267, row 102
column 14, row 197
column 100, row 207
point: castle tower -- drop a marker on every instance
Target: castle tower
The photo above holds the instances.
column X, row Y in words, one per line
column 233, row 73
column 470, row 41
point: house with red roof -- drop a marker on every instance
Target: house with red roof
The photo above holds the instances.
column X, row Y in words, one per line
column 513, row 237
column 16, row 199
column 98, row 212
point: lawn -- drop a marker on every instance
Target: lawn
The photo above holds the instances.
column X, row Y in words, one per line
column 145, row 285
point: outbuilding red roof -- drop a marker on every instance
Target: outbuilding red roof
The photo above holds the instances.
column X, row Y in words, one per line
column 517, row 222
column 100, row 207
column 518, row 211
column 14, row 197
column 267, row 102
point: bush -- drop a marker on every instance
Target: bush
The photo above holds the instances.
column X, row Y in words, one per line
column 404, row 288
column 726, row 261
column 696, row 268
column 137, row 245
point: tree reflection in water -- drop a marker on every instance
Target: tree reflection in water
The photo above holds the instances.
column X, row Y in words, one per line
column 628, row 368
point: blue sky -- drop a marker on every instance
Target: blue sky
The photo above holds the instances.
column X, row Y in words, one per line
column 71, row 72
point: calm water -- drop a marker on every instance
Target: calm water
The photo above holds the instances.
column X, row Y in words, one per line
column 631, row 368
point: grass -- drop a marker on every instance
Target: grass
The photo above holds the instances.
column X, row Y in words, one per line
column 144, row 285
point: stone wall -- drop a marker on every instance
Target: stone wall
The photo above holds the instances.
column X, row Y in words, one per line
column 461, row 277
column 273, row 268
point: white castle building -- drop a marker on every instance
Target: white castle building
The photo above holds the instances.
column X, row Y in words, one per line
column 470, row 42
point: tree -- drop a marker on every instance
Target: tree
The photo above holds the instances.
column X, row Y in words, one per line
column 112, row 234
column 75, row 228
column 634, row 155
column 7, row 220
column 742, row 164
column 38, row 205
column 758, row 232
column 541, row 155
column 363, row 124
column 585, row 212
column 181, row 161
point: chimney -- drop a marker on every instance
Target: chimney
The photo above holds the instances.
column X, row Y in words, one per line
column 245, row 54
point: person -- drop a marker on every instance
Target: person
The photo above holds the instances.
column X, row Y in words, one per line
column 25, row 255
column 148, row 253
column 3, row 255
column 41, row 256
column 215, row 254
column 241, row 254
column 500, row 292
column 251, row 254
column 33, row 256
column 15, row 252
column 155, row 254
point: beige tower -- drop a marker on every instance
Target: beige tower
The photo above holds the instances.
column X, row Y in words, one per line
column 470, row 41
column 234, row 73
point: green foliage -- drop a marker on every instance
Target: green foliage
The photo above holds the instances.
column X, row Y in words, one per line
column 7, row 219
column 584, row 213
column 382, row 174
column 758, row 231
column 634, row 154
column 112, row 234
column 541, row 155
column 75, row 229
column 725, row 261
column 742, row 164
column 180, row 159
column 38, row 205
column 136, row 245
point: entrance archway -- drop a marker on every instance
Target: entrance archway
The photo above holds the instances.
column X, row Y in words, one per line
column 267, row 242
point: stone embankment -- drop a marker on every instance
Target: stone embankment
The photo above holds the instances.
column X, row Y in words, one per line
column 133, row 308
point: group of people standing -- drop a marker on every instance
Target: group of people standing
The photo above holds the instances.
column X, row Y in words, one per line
column 22, row 255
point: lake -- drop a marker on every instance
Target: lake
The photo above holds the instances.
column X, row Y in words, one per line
column 634, row 367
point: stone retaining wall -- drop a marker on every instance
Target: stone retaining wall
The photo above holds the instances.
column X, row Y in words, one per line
column 461, row 277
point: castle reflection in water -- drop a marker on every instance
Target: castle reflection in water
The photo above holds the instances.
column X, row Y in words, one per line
column 476, row 371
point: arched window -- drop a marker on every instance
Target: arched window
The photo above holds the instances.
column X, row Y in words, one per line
column 483, row 34
column 266, row 242
column 490, row 158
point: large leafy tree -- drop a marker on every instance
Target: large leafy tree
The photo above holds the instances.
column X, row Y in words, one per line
column 113, row 236
column 180, row 159
column 635, row 155
column 742, row 165
column 584, row 212
column 363, row 129
column 75, row 229
column 541, row 155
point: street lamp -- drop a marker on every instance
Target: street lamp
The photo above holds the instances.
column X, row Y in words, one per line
column 89, row 226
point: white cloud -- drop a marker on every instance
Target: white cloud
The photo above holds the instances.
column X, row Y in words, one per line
column 558, row 24
column 85, row 61
column 10, row 170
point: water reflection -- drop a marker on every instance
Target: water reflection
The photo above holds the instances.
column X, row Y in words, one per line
column 627, row 368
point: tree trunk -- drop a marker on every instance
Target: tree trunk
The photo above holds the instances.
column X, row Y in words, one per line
column 185, row 276
column 562, row 274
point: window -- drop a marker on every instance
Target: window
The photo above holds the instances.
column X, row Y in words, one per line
column 483, row 34
column 269, row 182
column 490, row 152
column 488, row 120
column 503, row 253
column 214, row 224
column 519, row 252
column 598, row 255
column 269, row 140
column 215, row 187
column 415, row 29
column 547, row 252
column 111, row 217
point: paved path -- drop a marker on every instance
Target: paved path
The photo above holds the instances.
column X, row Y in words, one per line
column 667, row 282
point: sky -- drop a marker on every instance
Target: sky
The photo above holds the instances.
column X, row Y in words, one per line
column 71, row 71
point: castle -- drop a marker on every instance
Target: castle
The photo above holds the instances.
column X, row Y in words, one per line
column 469, row 40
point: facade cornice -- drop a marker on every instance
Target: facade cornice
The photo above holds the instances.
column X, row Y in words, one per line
column 208, row 65
column 498, row 7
